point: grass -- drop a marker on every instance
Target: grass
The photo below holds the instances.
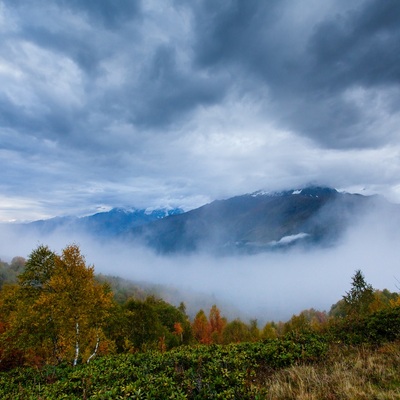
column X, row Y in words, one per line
column 353, row 373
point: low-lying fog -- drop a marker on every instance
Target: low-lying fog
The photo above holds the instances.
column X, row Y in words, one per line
column 268, row 286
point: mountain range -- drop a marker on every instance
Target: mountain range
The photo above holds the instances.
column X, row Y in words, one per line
column 261, row 221
column 112, row 223
column 249, row 223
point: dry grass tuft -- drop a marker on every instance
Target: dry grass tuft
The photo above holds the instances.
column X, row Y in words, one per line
column 347, row 373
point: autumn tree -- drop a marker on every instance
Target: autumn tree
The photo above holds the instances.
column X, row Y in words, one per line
column 11, row 355
column 298, row 323
column 236, row 331
column 384, row 299
column 338, row 310
column 269, row 331
column 217, row 324
column 201, row 328
column 308, row 320
column 57, row 310
column 395, row 301
column 254, row 330
column 18, row 264
column 318, row 319
column 25, row 330
column 178, row 331
column 81, row 304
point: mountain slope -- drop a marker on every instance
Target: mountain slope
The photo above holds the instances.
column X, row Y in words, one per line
column 243, row 224
column 258, row 221
column 105, row 224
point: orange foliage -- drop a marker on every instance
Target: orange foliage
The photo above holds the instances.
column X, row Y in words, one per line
column 201, row 328
column 217, row 324
column 178, row 330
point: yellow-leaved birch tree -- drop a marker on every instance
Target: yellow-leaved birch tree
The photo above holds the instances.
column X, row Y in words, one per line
column 57, row 310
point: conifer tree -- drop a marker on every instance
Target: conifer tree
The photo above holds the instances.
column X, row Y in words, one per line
column 357, row 301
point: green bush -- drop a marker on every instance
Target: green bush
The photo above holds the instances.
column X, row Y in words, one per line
column 199, row 372
column 383, row 326
column 377, row 328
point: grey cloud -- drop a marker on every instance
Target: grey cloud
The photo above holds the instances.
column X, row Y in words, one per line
column 308, row 85
column 244, row 47
column 168, row 91
column 83, row 31
column 232, row 30
column 53, row 125
column 108, row 13
column 84, row 53
column 361, row 47
column 157, row 90
column 358, row 50
column 227, row 91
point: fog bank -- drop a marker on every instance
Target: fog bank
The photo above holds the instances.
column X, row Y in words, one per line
column 267, row 286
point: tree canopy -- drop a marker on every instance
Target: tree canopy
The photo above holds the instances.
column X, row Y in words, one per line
column 57, row 309
column 358, row 300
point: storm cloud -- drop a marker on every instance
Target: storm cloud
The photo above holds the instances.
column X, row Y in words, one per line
column 149, row 103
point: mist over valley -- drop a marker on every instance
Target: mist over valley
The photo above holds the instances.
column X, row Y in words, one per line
column 309, row 242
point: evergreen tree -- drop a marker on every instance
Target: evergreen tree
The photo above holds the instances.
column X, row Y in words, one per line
column 358, row 301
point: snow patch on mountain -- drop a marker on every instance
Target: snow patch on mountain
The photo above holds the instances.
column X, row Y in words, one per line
column 311, row 191
column 289, row 239
column 163, row 211
column 262, row 193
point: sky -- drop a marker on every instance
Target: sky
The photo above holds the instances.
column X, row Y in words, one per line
column 173, row 103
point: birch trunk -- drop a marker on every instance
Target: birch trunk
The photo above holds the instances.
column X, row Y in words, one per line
column 95, row 350
column 76, row 344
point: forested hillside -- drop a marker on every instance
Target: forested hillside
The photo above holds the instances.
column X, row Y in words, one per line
column 65, row 333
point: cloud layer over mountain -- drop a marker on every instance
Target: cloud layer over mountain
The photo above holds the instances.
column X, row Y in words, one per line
column 149, row 103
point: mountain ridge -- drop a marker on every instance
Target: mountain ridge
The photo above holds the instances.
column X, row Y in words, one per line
column 112, row 222
column 257, row 222
column 248, row 223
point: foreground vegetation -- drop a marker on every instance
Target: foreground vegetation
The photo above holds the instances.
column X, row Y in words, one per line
column 303, row 367
column 63, row 335
column 347, row 372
